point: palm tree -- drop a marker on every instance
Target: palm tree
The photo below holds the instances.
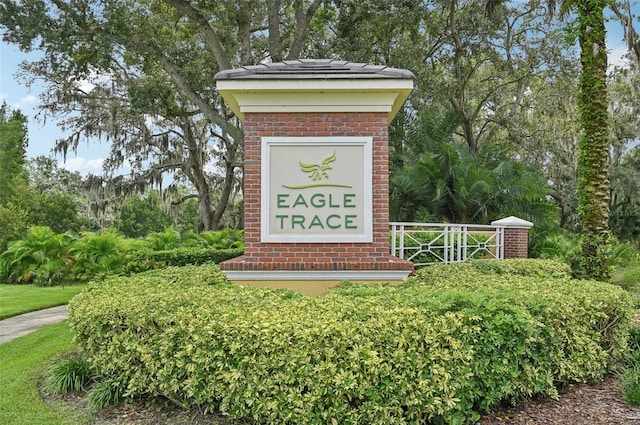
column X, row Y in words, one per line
column 593, row 147
column 593, row 156
column 442, row 180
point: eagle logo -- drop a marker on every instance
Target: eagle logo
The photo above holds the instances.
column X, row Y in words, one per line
column 318, row 171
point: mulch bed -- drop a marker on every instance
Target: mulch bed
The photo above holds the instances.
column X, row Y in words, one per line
column 584, row 404
column 599, row 403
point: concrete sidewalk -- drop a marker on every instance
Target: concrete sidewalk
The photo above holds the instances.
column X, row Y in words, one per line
column 23, row 324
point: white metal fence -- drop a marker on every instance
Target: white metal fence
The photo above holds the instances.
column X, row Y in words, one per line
column 427, row 243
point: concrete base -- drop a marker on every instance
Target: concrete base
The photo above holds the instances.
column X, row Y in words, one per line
column 314, row 277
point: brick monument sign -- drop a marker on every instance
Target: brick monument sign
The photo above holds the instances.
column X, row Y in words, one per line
column 316, row 172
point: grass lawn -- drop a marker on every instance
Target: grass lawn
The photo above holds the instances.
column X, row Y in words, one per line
column 629, row 279
column 18, row 299
column 23, row 360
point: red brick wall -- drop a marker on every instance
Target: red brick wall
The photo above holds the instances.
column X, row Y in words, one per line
column 324, row 255
column 516, row 243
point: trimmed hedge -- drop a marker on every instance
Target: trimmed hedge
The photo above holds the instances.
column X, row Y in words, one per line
column 47, row 258
column 453, row 341
column 145, row 260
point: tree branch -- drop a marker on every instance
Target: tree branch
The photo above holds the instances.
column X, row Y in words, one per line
column 209, row 35
column 303, row 19
column 630, row 34
column 210, row 112
column 185, row 198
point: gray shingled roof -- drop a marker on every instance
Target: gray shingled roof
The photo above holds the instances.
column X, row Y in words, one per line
column 319, row 69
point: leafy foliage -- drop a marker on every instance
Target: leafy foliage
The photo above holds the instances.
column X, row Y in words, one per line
column 624, row 219
column 42, row 257
column 13, row 225
column 443, row 181
column 222, row 239
column 48, row 258
column 140, row 216
column 101, row 254
column 451, row 342
column 104, row 393
column 13, row 144
column 147, row 260
column 558, row 245
column 56, row 210
column 169, row 238
column 38, row 205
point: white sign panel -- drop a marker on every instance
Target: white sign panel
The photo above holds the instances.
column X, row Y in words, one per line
column 316, row 189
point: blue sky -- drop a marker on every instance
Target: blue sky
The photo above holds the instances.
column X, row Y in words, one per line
column 89, row 158
column 42, row 135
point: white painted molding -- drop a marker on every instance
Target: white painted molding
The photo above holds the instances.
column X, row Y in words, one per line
column 268, row 234
column 352, row 275
column 315, row 95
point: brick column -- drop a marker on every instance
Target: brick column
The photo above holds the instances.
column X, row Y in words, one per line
column 516, row 236
column 294, row 107
column 316, row 256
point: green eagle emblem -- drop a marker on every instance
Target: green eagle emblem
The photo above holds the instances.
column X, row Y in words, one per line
column 318, row 171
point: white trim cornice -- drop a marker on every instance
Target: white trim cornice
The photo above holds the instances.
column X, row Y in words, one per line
column 314, row 95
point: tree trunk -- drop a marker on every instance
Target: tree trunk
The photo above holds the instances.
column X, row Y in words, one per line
column 593, row 178
column 275, row 41
column 229, row 180
column 198, row 176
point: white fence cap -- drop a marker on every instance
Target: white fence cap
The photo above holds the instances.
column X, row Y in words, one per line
column 513, row 222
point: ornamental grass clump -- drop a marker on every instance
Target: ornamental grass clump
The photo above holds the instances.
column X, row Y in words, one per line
column 629, row 373
column 438, row 348
column 66, row 375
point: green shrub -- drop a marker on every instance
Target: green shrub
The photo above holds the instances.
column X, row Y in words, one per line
column 100, row 254
column 146, row 260
column 65, row 375
column 222, row 239
column 42, row 258
column 515, row 267
column 166, row 240
column 13, row 225
column 560, row 245
column 47, row 258
column 171, row 239
column 452, row 342
column 625, row 254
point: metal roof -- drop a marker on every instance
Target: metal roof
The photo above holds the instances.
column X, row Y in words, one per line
column 317, row 69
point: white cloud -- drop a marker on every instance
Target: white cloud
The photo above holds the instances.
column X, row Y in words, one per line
column 93, row 79
column 85, row 85
column 211, row 168
column 29, row 99
column 83, row 165
column 25, row 103
column 616, row 57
